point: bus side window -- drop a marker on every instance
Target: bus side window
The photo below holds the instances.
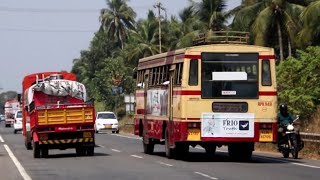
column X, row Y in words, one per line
column 266, row 73
column 193, row 73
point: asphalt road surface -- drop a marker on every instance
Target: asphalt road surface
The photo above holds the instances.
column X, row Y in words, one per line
column 120, row 156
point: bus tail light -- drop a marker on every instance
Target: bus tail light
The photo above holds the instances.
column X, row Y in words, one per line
column 193, row 125
column 265, row 125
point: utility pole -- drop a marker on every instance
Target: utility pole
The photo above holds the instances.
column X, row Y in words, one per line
column 159, row 7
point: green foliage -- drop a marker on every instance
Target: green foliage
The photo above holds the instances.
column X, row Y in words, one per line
column 298, row 81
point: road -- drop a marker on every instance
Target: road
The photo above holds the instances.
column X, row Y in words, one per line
column 120, row 156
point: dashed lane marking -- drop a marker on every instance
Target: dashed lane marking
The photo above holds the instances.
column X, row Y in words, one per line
column 22, row 171
column 115, row 150
column 205, row 175
column 129, row 137
column 165, row 164
column 136, row 156
column 1, row 139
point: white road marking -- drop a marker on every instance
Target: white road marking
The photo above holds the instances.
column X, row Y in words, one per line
column 286, row 161
column 140, row 157
column 101, row 146
column 165, row 164
column 22, row 171
column 306, row 165
column 205, row 175
column 130, row 137
column 115, row 150
column 1, row 140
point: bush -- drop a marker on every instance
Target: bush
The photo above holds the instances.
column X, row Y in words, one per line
column 298, row 82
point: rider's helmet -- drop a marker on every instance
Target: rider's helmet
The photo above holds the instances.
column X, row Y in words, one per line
column 283, row 108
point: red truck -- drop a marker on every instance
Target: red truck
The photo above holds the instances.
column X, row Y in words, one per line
column 56, row 114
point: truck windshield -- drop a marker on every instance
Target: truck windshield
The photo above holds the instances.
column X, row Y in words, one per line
column 106, row 116
column 229, row 75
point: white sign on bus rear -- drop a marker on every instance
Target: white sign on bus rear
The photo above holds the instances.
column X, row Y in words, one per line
column 229, row 76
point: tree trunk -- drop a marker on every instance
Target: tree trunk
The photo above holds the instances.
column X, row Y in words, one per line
column 289, row 48
column 280, row 41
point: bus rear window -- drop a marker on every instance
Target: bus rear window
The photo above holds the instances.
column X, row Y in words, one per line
column 229, row 75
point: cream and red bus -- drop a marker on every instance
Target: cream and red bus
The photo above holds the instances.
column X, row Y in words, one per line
column 209, row 95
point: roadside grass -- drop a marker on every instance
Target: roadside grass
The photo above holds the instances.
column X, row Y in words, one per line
column 311, row 150
column 126, row 125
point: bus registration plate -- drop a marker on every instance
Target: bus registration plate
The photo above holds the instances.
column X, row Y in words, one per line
column 193, row 134
column 265, row 136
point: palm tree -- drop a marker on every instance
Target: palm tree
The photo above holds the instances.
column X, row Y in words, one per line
column 117, row 19
column 143, row 41
column 211, row 13
column 310, row 34
column 268, row 16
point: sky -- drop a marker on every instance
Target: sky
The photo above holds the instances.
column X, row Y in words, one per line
column 46, row 35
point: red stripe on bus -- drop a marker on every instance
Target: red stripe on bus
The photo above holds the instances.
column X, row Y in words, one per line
column 140, row 94
column 189, row 56
column 196, row 92
column 186, row 92
column 140, row 111
column 268, row 93
column 266, row 56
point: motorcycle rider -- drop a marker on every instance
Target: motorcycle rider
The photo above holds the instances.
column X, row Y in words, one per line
column 284, row 118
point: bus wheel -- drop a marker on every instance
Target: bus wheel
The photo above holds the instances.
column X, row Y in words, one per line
column 182, row 150
column 36, row 149
column 148, row 147
column 210, row 149
column 241, row 151
column 169, row 150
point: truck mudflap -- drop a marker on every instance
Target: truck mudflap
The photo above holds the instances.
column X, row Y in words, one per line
column 67, row 141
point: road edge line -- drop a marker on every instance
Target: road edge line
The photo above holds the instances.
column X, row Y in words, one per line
column 16, row 162
column 1, row 139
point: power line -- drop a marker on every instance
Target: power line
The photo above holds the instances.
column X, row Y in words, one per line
column 34, row 10
column 47, row 30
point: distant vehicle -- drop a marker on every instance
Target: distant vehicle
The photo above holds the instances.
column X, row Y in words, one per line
column 60, row 116
column 2, row 117
column 17, row 125
column 106, row 121
column 10, row 108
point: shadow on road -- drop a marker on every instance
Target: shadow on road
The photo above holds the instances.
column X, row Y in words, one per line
column 73, row 155
column 223, row 157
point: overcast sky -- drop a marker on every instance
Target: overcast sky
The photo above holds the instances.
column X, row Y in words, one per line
column 46, row 35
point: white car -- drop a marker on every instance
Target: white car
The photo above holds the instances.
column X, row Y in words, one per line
column 106, row 121
column 17, row 125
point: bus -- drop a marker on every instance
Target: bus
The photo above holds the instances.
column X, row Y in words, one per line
column 219, row 92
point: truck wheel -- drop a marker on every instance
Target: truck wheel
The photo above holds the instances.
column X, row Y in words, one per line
column 28, row 141
column 36, row 149
column 15, row 131
column 90, row 151
column 80, row 151
column 44, row 152
column 169, row 150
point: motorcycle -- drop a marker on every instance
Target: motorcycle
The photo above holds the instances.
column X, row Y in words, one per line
column 291, row 141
